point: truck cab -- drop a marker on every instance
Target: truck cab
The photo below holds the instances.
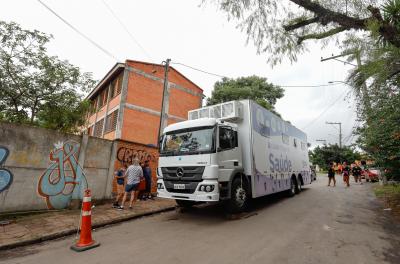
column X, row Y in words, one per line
column 196, row 158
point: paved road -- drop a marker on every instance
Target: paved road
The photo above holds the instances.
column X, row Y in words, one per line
column 321, row 225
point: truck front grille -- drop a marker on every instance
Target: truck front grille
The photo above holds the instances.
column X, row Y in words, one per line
column 188, row 173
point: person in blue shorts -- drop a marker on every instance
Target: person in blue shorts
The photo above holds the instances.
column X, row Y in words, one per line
column 133, row 175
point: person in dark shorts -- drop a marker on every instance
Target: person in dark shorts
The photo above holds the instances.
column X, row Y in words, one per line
column 133, row 175
column 147, row 177
column 119, row 176
column 331, row 175
column 357, row 173
column 346, row 174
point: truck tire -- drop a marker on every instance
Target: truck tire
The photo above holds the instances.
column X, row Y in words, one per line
column 184, row 203
column 292, row 191
column 240, row 196
column 298, row 185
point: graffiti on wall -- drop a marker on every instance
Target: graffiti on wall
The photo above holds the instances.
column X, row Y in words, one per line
column 126, row 155
column 64, row 180
column 6, row 176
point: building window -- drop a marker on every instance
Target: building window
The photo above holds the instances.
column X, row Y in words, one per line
column 90, row 130
column 92, row 108
column 119, row 83
column 112, row 89
column 98, row 128
column 111, row 123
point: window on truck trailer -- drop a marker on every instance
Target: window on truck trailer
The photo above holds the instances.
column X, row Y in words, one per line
column 285, row 139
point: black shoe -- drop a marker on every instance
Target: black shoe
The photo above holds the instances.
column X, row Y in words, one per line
column 120, row 208
column 115, row 205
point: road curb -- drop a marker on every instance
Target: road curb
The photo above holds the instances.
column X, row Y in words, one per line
column 71, row 231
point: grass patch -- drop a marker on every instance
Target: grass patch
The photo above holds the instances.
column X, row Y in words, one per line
column 391, row 190
column 390, row 196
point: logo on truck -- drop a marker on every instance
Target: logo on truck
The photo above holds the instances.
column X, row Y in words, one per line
column 179, row 172
column 279, row 164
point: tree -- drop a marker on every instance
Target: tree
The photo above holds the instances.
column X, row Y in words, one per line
column 322, row 156
column 33, row 84
column 252, row 87
column 283, row 28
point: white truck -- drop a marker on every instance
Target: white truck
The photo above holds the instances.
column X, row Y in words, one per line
column 231, row 152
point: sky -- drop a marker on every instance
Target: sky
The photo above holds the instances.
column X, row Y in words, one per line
column 196, row 35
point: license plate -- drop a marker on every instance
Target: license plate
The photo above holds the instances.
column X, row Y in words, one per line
column 179, row 186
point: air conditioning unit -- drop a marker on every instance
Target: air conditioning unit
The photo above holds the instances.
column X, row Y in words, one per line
column 229, row 111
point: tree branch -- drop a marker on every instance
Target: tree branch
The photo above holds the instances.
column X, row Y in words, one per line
column 321, row 35
column 300, row 23
column 327, row 16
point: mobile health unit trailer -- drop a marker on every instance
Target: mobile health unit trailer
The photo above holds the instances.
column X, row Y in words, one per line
column 231, row 152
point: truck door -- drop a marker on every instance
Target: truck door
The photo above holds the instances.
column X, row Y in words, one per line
column 228, row 152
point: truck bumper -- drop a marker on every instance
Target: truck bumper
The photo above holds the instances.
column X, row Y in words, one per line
column 198, row 196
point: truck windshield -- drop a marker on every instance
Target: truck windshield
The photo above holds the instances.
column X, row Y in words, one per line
column 188, row 142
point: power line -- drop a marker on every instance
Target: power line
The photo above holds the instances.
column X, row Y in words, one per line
column 196, row 69
column 300, row 86
column 78, row 31
column 126, row 30
column 222, row 76
column 326, row 109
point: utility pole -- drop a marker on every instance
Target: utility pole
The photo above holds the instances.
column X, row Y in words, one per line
column 321, row 140
column 340, row 131
column 164, row 101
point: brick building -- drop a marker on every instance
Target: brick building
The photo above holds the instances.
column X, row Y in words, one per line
column 126, row 106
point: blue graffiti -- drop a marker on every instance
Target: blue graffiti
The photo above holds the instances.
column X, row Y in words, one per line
column 6, row 176
column 64, row 179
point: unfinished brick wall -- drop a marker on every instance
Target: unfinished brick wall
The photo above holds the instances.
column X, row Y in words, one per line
column 127, row 151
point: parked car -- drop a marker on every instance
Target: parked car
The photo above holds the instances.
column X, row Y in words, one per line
column 371, row 174
column 313, row 173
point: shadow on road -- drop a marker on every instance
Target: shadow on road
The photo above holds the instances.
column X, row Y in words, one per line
column 213, row 213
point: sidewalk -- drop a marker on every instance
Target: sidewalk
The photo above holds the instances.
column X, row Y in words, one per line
column 25, row 230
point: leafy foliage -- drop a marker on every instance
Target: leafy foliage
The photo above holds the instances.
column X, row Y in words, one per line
column 332, row 153
column 37, row 88
column 252, row 87
column 282, row 28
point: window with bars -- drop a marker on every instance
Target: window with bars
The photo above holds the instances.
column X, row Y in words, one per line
column 112, row 88
column 119, row 84
column 98, row 128
column 111, row 123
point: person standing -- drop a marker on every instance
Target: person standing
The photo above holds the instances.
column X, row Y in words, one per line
column 346, row 174
column 133, row 175
column 331, row 174
column 357, row 173
column 120, row 177
column 147, row 177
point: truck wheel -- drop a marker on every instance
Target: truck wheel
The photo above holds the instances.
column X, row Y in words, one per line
column 184, row 203
column 239, row 196
column 292, row 191
column 298, row 185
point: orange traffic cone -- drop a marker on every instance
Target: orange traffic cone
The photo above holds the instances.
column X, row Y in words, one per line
column 85, row 240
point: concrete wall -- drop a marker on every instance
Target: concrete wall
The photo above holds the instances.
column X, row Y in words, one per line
column 44, row 169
